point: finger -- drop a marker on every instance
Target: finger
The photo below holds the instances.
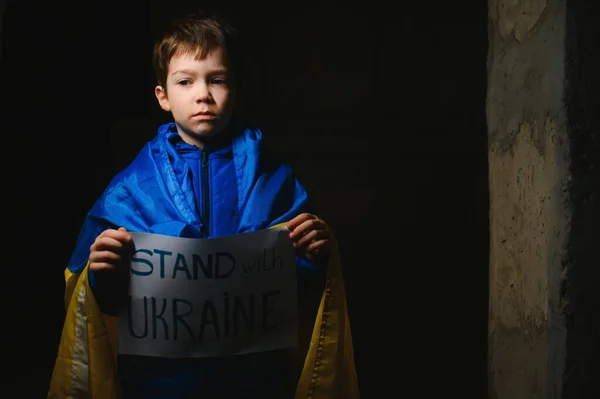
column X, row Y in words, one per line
column 107, row 243
column 295, row 222
column 310, row 237
column 105, row 257
column 319, row 246
column 121, row 234
column 305, row 227
column 101, row 266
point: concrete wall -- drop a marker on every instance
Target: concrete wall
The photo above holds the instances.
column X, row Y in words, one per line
column 535, row 156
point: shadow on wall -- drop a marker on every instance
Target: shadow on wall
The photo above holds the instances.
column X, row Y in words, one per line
column 582, row 96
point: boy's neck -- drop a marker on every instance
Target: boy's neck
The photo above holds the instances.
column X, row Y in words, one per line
column 221, row 139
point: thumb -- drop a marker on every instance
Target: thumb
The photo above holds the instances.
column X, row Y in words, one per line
column 128, row 237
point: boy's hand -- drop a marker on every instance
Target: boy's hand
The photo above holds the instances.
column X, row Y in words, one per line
column 110, row 250
column 311, row 235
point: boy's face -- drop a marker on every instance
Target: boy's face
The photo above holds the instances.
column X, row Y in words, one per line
column 199, row 94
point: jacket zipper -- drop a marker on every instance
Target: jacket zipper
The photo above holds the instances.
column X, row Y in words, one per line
column 205, row 193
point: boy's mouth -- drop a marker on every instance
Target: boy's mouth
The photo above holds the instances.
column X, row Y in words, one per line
column 204, row 115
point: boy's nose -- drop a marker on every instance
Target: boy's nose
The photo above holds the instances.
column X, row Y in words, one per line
column 203, row 94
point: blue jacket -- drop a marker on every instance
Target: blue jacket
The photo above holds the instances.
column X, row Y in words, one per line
column 176, row 189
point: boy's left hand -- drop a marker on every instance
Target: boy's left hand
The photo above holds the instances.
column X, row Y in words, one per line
column 311, row 235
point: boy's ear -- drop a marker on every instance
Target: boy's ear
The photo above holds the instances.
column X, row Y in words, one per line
column 161, row 96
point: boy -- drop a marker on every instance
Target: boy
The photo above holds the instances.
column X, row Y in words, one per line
column 204, row 175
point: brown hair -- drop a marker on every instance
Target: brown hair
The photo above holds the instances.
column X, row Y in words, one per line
column 200, row 33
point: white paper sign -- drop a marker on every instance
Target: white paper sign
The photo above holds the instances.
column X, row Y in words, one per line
column 210, row 297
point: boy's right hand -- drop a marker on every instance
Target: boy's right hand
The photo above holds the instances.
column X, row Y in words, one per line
column 110, row 250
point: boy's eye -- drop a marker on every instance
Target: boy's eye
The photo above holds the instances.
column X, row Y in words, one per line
column 219, row 81
column 184, row 82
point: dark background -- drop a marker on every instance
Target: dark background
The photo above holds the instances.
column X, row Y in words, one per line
column 379, row 108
